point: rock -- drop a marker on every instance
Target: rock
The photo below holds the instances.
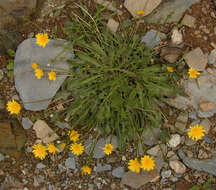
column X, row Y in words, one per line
column 40, row 166
column 135, row 5
column 118, row 172
column 166, row 173
column 25, row 81
column 148, row 137
column 1, row 157
column 100, row 168
column 212, row 57
column 202, row 154
column 181, row 121
column 206, row 165
column 207, row 106
column 112, row 25
column 70, row 163
column 189, row 153
column 169, row 11
column 189, row 21
column 203, row 90
column 12, row 138
column 109, row 6
column 156, row 150
column 170, row 54
column 192, row 115
column 62, row 125
column 177, row 166
column 179, row 102
column 153, row 38
column 189, row 141
column 26, row 123
column 206, row 125
column 177, row 37
column 174, row 141
column 44, row 132
column 136, row 180
column 207, row 139
column 196, row 59
column 1, row 74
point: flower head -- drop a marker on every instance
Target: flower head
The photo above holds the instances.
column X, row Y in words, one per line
column 34, row 65
column 13, row 107
column 134, row 165
column 108, row 149
column 140, row 12
column 52, row 75
column 74, row 135
column 170, row 69
column 196, row 132
column 52, row 148
column 39, row 73
column 147, row 163
column 86, row 170
column 39, row 151
column 193, row 73
column 42, row 39
column 77, row 148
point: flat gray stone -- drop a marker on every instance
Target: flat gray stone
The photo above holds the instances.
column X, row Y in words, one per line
column 212, row 57
column 151, row 136
column 62, row 125
column 189, row 21
column 26, row 123
column 118, row 172
column 100, row 168
column 152, row 38
column 36, row 94
column 206, row 165
column 70, row 163
column 1, row 157
column 169, row 11
column 40, row 166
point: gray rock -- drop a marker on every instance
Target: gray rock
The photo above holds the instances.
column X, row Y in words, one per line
column 98, row 149
column 151, row 136
column 189, row 21
column 100, row 168
column 212, row 56
column 62, row 125
column 70, row 163
column 207, row 139
column 1, row 157
column 174, row 141
column 177, row 166
column 206, row 125
column 1, row 74
column 181, row 121
column 206, row 165
column 26, row 123
column 112, row 25
column 169, row 11
column 189, row 141
column 25, row 81
column 166, row 173
column 179, row 102
column 153, row 38
column 156, row 150
column 40, row 166
column 192, row 115
column 177, row 37
column 118, row 172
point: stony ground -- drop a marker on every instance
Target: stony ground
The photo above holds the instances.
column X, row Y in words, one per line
column 181, row 163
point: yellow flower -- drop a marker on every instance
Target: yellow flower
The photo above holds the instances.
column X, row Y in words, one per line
column 196, row 132
column 62, row 145
column 108, row 149
column 147, row 163
column 42, row 39
column 170, row 69
column 39, row 73
column 86, row 170
column 140, row 12
column 76, row 148
column 39, row 151
column 13, row 107
column 74, row 135
column 52, row 75
column 134, row 165
column 34, row 65
column 52, row 148
column 193, row 73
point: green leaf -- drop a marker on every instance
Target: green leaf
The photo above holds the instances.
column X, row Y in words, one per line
column 11, row 52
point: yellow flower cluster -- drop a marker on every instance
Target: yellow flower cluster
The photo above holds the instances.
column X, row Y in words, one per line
column 193, row 73
column 147, row 163
column 42, row 39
